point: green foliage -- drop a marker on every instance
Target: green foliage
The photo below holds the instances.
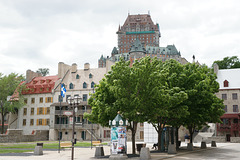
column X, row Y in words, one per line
column 9, row 85
column 228, row 62
column 43, row 71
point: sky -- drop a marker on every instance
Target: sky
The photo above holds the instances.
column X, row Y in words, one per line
column 41, row 33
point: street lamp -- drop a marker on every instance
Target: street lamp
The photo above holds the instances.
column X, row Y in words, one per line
column 73, row 102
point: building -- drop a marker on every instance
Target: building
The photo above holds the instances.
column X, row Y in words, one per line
column 138, row 26
column 137, row 38
column 229, row 91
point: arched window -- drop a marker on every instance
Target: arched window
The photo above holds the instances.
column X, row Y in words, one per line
column 70, row 86
column 92, row 85
column 90, row 75
column 84, row 85
column 77, row 76
column 225, row 83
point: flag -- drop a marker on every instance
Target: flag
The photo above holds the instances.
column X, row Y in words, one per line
column 63, row 91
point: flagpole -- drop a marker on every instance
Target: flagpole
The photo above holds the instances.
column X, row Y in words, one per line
column 60, row 120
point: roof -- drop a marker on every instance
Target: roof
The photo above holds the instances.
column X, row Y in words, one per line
column 231, row 75
column 40, row 85
column 137, row 47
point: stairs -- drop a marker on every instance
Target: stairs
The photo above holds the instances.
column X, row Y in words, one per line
column 96, row 137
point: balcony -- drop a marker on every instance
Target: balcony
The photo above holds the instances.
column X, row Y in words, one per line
column 79, row 112
column 77, row 126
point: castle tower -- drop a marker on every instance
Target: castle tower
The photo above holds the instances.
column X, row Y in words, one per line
column 138, row 26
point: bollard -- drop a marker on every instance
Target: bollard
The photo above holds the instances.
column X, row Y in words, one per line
column 145, row 154
column 189, row 146
column 213, row 144
column 99, row 151
column 172, row 149
column 38, row 150
column 203, row 145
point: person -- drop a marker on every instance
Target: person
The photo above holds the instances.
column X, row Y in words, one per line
column 155, row 145
column 187, row 138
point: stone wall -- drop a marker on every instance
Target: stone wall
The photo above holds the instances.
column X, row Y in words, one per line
column 235, row 139
column 17, row 135
column 219, row 139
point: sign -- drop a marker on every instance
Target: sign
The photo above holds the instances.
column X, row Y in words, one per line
column 119, row 139
column 67, row 113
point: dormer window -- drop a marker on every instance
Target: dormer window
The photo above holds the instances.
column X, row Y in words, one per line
column 77, row 76
column 70, row 86
column 92, row 85
column 42, row 81
column 84, row 85
column 90, row 75
column 34, row 82
column 225, row 83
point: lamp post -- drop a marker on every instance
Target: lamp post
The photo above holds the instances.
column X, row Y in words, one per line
column 73, row 102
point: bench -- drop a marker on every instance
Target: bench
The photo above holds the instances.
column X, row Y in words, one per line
column 66, row 144
column 96, row 143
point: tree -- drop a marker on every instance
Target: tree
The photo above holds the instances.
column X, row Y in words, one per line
column 228, row 62
column 200, row 84
column 165, row 97
column 8, row 85
column 43, row 71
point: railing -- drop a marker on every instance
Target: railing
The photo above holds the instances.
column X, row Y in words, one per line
column 77, row 126
column 79, row 112
column 228, row 127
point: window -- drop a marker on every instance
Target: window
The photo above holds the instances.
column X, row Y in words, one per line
column 47, row 122
column 90, row 75
column 224, row 96
column 24, row 122
column 67, row 97
column 235, row 120
column 25, row 100
column 39, row 122
column 48, row 99
column 141, row 135
column 70, row 86
column 225, row 121
column 77, row 76
column 141, row 125
column 107, row 133
column 235, row 108
column 32, row 111
column 225, row 83
column 48, row 110
column 40, row 111
column 92, row 85
column 31, row 122
column 60, row 98
column 41, row 99
column 32, row 100
column 84, row 85
column 41, row 89
column 84, row 97
column 25, row 111
column 234, row 96
column 225, row 109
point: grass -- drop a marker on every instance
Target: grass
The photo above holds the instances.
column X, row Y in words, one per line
column 46, row 145
column 2, row 151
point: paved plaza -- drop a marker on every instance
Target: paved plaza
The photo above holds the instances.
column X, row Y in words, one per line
column 230, row 151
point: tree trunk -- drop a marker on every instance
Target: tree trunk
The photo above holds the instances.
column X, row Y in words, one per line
column 2, row 128
column 191, row 134
column 134, row 130
column 176, row 138
column 159, row 139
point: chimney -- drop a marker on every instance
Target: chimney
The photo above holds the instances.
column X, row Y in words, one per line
column 30, row 75
column 86, row 66
column 74, row 68
column 215, row 68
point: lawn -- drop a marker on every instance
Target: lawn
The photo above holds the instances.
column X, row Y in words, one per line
column 31, row 145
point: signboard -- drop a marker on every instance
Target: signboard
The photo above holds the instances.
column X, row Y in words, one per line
column 119, row 139
column 67, row 113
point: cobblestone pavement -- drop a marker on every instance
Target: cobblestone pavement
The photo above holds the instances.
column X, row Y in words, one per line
column 223, row 151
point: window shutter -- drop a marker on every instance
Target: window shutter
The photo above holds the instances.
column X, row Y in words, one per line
column 45, row 110
column 38, row 111
column 45, row 99
column 37, row 122
column 51, row 99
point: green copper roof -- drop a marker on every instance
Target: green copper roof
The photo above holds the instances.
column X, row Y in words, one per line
column 141, row 32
